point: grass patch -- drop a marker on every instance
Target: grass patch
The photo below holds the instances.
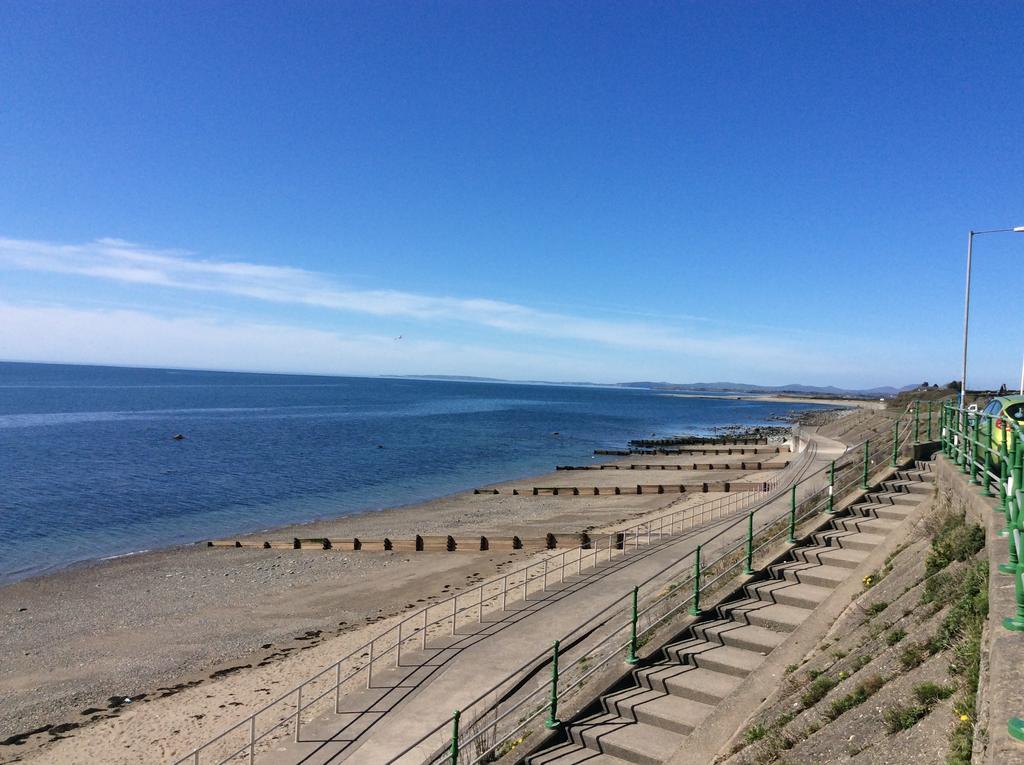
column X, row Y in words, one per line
column 876, row 608
column 913, row 656
column 940, row 588
column 755, row 733
column 864, row 690
column 895, row 636
column 931, row 693
column 817, row 690
column 902, row 717
column 969, row 608
column 961, row 743
column 860, row 662
column 955, row 540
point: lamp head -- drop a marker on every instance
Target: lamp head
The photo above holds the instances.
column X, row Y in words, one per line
column 1018, row 229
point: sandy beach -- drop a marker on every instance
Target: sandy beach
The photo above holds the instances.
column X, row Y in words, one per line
column 162, row 650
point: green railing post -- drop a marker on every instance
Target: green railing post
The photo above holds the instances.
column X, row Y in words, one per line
column 1004, row 474
column 748, row 568
column 695, row 606
column 917, row 422
column 986, row 463
column 948, row 427
column 895, row 443
column 1015, row 623
column 864, row 477
column 962, row 441
column 928, row 429
column 553, row 722
column 1014, row 510
column 1018, row 469
column 792, row 515
column 974, row 452
column 454, row 754
column 831, row 486
column 631, row 655
column 1012, row 522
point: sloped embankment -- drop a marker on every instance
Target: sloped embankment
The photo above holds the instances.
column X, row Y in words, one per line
column 895, row 679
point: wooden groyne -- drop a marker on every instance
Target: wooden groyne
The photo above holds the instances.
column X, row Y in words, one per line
column 704, row 440
column 669, row 452
column 439, row 543
column 656, row 488
column 692, row 466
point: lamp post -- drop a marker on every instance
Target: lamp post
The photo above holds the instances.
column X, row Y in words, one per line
column 967, row 298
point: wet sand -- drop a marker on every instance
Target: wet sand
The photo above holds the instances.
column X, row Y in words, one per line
column 192, row 637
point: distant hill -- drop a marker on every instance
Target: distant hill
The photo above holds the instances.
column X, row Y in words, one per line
column 732, row 387
column 701, row 387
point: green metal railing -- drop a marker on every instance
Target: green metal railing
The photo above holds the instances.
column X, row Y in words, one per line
column 317, row 694
column 989, row 450
column 499, row 716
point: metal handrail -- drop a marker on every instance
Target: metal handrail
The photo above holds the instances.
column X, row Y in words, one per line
column 967, row 439
column 811, row 505
column 392, row 640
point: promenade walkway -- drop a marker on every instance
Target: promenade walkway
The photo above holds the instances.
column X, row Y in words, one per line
column 405, row 703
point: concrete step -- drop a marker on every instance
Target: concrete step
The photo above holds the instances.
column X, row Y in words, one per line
column 830, row 556
column 634, row 742
column 773, row 616
column 866, row 524
column 891, row 497
column 808, row 573
column 908, row 486
column 717, row 657
column 844, row 539
column 914, row 474
column 882, row 510
column 572, row 753
column 747, row 636
column 688, row 681
column 788, row 593
column 662, row 710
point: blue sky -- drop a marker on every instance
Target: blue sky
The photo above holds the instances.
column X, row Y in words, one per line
column 767, row 192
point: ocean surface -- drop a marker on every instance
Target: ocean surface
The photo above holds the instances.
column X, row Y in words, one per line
column 90, row 469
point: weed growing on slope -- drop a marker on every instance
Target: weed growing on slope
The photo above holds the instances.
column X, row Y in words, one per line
column 860, row 662
column 902, row 717
column 864, row 690
column 817, row 690
column 955, row 540
column 930, row 693
column 876, row 608
column 754, row 733
column 913, row 656
column 895, row 636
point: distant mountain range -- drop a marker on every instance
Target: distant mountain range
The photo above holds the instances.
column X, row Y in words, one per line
column 699, row 387
column 731, row 387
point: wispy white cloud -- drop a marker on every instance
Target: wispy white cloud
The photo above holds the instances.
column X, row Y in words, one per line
column 141, row 338
column 133, row 264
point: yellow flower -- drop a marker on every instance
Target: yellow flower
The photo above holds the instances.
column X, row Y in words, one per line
column 964, row 718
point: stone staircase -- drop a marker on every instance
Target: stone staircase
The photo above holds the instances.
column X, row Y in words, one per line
column 647, row 718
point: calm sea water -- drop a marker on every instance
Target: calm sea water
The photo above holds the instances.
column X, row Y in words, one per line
column 89, row 468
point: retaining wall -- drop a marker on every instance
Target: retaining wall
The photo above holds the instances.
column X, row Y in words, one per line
column 1000, row 694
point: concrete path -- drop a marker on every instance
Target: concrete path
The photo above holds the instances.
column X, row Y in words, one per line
column 409, row 701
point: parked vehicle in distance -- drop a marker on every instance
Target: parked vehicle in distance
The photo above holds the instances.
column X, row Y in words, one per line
column 1006, row 411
